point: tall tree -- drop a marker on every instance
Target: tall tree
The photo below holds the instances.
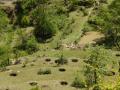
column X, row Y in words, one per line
column 97, row 63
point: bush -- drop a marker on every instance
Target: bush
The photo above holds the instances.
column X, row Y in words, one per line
column 61, row 61
column 44, row 29
column 24, row 9
column 25, row 21
column 29, row 45
column 97, row 87
column 61, row 11
column 85, row 3
column 77, row 83
column 44, row 72
column 4, row 56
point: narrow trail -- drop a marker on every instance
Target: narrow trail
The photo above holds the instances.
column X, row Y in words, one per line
column 90, row 38
column 68, row 42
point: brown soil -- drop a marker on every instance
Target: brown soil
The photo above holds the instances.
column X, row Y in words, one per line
column 90, row 38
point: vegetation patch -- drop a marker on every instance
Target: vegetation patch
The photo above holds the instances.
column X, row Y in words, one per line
column 44, row 71
column 77, row 83
column 61, row 61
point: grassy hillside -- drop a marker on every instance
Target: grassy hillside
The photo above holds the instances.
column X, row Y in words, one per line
column 59, row 45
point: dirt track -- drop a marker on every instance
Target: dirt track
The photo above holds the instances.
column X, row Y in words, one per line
column 90, row 38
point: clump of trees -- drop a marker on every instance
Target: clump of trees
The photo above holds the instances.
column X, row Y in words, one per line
column 25, row 43
column 44, row 29
column 24, row 9
column 107, row 21
column 98, row 61
column 33, row 12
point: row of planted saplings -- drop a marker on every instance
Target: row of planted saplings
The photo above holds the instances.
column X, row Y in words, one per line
column 77, row 83
column 44, row 72
column 62, row 60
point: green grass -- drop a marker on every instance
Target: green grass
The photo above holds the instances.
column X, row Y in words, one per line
column 29, row 73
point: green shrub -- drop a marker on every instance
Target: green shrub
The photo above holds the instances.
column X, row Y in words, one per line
column 97, row 87
column 24, row 9
column 85, row 3
column 44, row 29
column 25, row 21
column 61, row 61
column 29, row 45
column 77, row 83
column 61, row 10
column 44, row 71
column 4, row 56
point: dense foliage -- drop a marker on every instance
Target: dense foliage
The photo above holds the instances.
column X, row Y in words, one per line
column 44, row 28
column 41, row 23
column 107, row 21
column 97, row 63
